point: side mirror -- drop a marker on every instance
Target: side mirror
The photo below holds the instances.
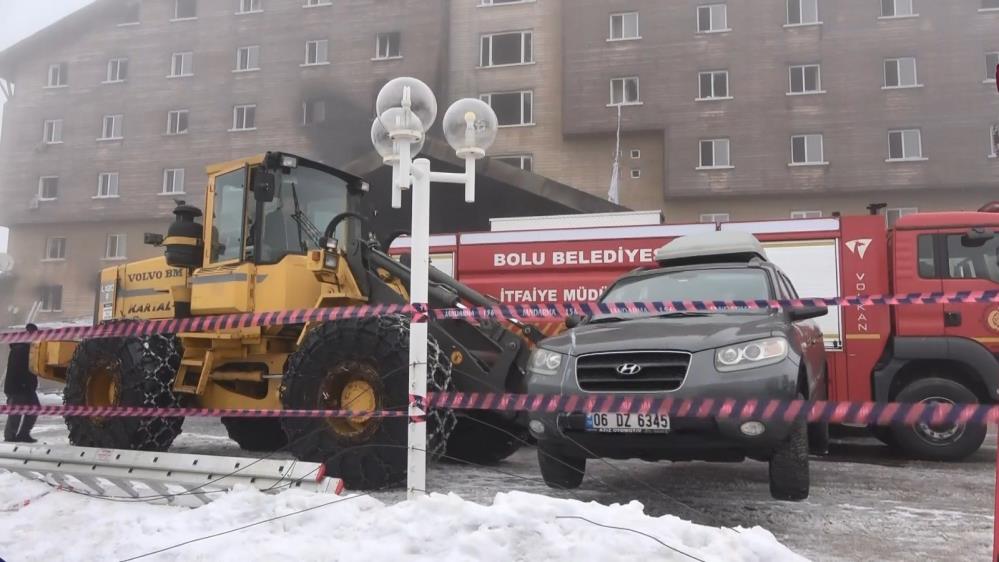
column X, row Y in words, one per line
column 573, row 320
column 807, row 313
column 263, row 185
column 977, row 237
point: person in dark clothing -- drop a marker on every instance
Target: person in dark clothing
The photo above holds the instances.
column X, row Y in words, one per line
column 20, row 386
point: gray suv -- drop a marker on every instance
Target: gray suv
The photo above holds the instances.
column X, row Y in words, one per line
column 734, row 353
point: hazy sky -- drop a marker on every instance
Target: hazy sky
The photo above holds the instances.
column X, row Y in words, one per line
column 20, row 19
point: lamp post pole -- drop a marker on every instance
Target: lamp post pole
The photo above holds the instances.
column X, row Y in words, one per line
column 406, row 109
column 416, row 460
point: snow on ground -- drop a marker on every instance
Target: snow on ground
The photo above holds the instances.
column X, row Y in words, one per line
column 439, row 527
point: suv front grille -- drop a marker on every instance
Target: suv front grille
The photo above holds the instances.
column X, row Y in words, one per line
column 658, row 371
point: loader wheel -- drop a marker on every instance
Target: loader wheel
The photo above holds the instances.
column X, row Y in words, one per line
column 136, row 372
column 259, row 435
column 361, row 364
column 475, row 442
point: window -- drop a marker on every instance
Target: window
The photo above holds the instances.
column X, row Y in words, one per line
column 58, row 75
column 522, row 161
column 173, row 181
column 244, row 117
column 51, row 298
column 501, row 2
column 892, row 215
column 900, row 73
column 228, row 216
column 713, row 85
column 802, row 12
column 503, row 49
column 636, row 173
column 313, row 3
column 624, row 91
column 388, row 45
column 107, row 185
column 313, row 111
column 896, row 8
column 248, row 58
column 115, row 247
column 111, row 128
column 712, row 18
column 249, row 7
column 48, row 188
column 965, row 259
column 990, row 5
column 714, row 217
column 55, row 249
column 185, row 9
column 52, row 131
column 806, row 79
column 905, row 144
column 177, row 121
column 636, row 154
column 512, row 108
column 130, row 13
column 316, row 52
column 715, row 154
column 182, row 64
column 991, row 62
column 994, row 141
column 806, row 214
column 117, row 70
column 807, row 149
column 624, row 26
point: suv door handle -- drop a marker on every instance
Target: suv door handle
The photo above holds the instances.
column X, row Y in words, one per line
column 952, row 319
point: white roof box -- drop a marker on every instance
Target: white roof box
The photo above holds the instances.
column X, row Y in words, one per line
column 584, row 220
column 712, row 246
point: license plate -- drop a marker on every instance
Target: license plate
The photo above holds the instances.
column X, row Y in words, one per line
column 627, row 423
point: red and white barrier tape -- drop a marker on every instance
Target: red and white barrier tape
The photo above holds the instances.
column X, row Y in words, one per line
column 128, row 328
column 876, row 413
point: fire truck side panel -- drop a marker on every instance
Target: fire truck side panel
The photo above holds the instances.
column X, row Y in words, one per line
column 867, row 330
column 911, row 275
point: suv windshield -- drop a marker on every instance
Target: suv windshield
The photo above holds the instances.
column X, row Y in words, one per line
column 305, row 201
column 694, row 285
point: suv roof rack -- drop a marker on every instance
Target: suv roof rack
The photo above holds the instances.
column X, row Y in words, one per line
column 712, row 247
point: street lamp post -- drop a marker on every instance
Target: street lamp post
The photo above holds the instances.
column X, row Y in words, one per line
column 406, row 109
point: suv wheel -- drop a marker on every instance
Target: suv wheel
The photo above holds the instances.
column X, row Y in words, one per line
column 789, row 480
column 562, row 472
column 941, row 442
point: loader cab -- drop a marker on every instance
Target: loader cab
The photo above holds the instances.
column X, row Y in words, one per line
column 260, row 210
column 265, row 224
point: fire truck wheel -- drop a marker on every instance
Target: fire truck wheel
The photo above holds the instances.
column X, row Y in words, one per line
column 560, row 471
column 362, row 365
column 136, row 372
column 789, row 472
column 941, row 442
column 261, row 435
column 476, row 442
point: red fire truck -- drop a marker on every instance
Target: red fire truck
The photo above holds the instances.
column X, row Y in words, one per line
column 933, row 352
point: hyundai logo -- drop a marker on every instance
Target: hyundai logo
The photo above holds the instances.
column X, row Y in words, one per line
column 629, row 369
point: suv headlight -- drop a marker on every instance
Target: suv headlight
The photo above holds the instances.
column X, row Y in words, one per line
column 544, row 362
column 751, row 355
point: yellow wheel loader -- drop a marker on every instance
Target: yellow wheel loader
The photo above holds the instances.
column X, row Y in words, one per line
column 259, row 247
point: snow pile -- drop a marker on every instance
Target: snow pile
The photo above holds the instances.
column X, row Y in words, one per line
column 518, row 526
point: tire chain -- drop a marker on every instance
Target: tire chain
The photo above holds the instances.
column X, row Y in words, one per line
column 161, row 358
column 439, row 379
